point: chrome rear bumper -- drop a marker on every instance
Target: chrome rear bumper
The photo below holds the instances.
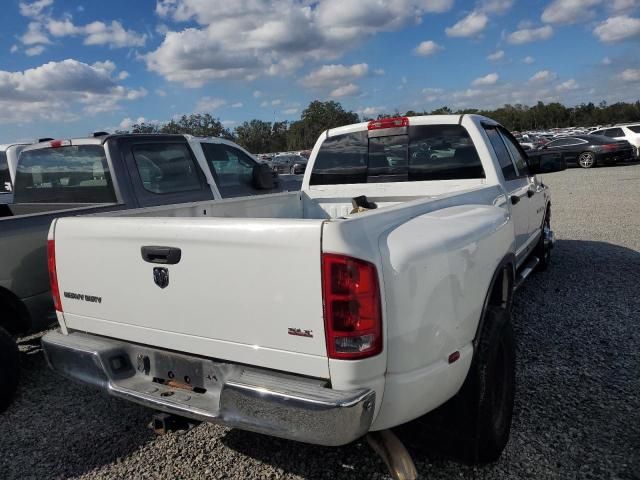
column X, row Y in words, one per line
column 262, row 401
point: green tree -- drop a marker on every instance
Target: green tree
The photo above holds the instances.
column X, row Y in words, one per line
column 317, row 117
column 255, row 136
column 199, row 125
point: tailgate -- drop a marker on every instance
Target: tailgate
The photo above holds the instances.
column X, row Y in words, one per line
column 239, row 287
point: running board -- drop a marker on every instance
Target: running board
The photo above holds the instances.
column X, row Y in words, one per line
column 526, row 270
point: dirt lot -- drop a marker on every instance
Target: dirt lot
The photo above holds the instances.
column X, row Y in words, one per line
column 577, row 412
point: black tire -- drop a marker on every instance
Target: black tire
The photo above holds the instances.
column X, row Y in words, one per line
column 483, row 408
column 542, row 250
column 587, row 159
column 9, row 369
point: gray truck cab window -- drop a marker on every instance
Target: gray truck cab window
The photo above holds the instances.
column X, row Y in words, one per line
column 71, row 174
column 5, row 176
column 166, row 168
column 232, row 170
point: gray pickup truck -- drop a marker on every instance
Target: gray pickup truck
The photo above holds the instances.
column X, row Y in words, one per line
column 61, row 178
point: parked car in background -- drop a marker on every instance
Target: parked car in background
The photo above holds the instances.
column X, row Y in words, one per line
column 8, row 160
column 103, row 173
column 289, row 163
column 630, row 133
column 591, row 150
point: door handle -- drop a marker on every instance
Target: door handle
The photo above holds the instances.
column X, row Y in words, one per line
column 163, row 255
column 530, row 193
column 514, row 199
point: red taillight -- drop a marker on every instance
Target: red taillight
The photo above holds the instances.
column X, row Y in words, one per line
column 394, row 122
column 53, row 274
column 610, row 147
column 352, row 313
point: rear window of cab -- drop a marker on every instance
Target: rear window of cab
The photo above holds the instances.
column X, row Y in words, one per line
column 426, row 152
column 70, row 174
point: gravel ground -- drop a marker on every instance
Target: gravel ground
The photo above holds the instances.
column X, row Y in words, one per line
column 577, row 412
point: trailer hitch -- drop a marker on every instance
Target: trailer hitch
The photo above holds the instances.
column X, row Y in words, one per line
column 163, row 423
column 394, row 454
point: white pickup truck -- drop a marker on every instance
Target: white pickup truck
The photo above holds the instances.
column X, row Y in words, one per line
column 378, row 292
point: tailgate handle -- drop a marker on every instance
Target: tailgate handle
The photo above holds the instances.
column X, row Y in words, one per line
column 164, row 255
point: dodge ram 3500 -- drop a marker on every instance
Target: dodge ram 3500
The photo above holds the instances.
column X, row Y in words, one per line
column 60, row 178
column 378, row 292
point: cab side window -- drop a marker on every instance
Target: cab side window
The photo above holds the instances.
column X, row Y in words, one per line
column 504, row 158
column 231, row 168
column 517, row 154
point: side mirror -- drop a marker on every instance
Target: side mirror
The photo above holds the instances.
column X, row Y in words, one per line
column 546, row 163
column 262, row 177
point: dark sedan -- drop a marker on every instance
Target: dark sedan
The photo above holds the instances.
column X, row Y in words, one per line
column 591, row 150
column 289, row 163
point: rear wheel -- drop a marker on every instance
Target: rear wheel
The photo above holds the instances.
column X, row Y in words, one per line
column 543, row 248
column 9, row 368
column 587, row 160
column 489, row 388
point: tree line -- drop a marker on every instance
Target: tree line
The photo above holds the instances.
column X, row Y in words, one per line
column 260, row 136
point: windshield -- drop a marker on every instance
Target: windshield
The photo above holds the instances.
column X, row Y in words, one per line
column 5, row 176
column 73, row 174
column 428, row 152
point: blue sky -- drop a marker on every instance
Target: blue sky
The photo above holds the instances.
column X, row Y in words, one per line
column 68, row 68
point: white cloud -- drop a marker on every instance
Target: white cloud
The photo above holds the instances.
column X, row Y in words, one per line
column 127, row 122
column 14, row 48
column 495, row 56
column 527, row 35
column 618, row 28
column 428, row 47
column 237, row 105
column 630, row 75
column 290, row 111
column 229, row 123
column 208, row 104
column 95, row 33
column 490, row 79
column 469, row 26
column 123, row 75
column 623, row 5
column 245, row 39
column 606, row 61
column 528, row 60
column 378, row 71
column 568, row 85
column 257, row 94
column 432, row 94
column 334, row 75
column 276, row 102
column 569, row 11
column 33, row 51
column 496, row 6
column 543, row 76
column 54, row 90
column 160, row 92
column 371, row 112
column 347, row 90
column 35, row 35
column 34, row 9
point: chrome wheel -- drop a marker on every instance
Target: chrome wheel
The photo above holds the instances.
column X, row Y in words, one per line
column 587, row 159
